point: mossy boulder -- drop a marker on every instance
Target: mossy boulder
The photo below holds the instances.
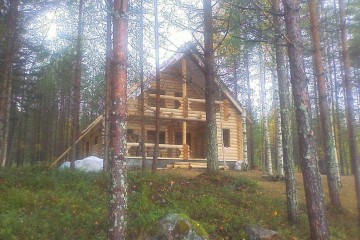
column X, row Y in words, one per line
column 180, row 227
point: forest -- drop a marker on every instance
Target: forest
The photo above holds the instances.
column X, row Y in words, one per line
column 293, row 66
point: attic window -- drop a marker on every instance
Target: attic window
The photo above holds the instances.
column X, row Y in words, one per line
column 226, row 137
column 96, row 140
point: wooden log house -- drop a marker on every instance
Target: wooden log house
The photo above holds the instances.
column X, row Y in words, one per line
column 182, row 117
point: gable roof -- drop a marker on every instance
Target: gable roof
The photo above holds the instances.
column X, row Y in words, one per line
column 189, row 49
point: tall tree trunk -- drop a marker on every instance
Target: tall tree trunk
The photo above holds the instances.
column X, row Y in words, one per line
column 312, row 181
column 157, row 78
column 245, row 144
column 244, row 123
column 235, row 80
column 266, row 136
column 210, row 90
column 331, row 63
column 118, row 123
column 350, row 110
column 285, row 112
column 249, row 110
column 108, row 64
column 77, row 89
column 278, row 130
column 326, row 127
column 142, row 104
column 337, row 131
column 279, row 144
column 6, row 82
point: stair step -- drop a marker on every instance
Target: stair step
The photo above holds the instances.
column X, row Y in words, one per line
column 169, row 165
column 181, row 166
column 181, row 163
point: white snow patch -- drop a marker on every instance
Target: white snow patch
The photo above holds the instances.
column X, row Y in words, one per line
column 88, row 164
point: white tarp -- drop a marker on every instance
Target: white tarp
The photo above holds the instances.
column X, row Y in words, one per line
column 88, row 164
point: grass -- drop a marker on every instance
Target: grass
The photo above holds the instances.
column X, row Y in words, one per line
column 42, row 203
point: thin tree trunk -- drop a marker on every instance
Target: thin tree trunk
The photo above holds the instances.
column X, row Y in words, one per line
column 280, row 154
column 245, row 145
column 278, row 131
column 285, row 112
column 326, row 129
column 142, row 104
column 210, row 90
column 312, row 181
column 333, row 86
column 337, row 107
column 77, row 89
column 268, row 160
column 350, row 110
column 6, row 88
column 108, row 65
column 235, row 80
column 249, row 110
column 118, row 124
column 157, row 78
column 24, row 136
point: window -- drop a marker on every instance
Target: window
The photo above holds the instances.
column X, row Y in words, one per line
column 226, row 137
column 87, row 148
column 151, row 137
column 177, row 103
column 132, row 136
column 152, row 100
column 96, row 140
column 178, row 138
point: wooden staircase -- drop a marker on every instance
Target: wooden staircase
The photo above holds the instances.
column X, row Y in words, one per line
column 187, row 165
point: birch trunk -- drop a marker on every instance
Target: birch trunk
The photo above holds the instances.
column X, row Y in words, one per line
column 249, row 110
column 268, row 160
column 326, row 127
column 210, row 90
column 280, row 154
column 118, row 124
column 285, row 112
column 332, row 78
column 245, row 145
column 350, row 110
column 312, row 181
column 278, row 135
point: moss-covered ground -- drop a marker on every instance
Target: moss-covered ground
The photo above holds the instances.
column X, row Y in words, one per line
column 43, row 203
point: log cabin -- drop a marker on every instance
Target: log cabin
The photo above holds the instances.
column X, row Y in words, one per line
column 182, row 118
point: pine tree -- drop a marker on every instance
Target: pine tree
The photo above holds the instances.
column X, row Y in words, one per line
column 6, row 81
column 210, row 90
column 118, row 123
column 311, row 176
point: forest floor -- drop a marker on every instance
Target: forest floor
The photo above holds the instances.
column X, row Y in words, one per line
column 44, row 203
column 277, row 189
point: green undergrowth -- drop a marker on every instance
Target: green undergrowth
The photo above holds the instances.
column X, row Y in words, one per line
column 42, row 203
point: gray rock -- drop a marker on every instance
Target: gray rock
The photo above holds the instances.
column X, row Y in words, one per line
column 258, row 233
column 180, row 227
